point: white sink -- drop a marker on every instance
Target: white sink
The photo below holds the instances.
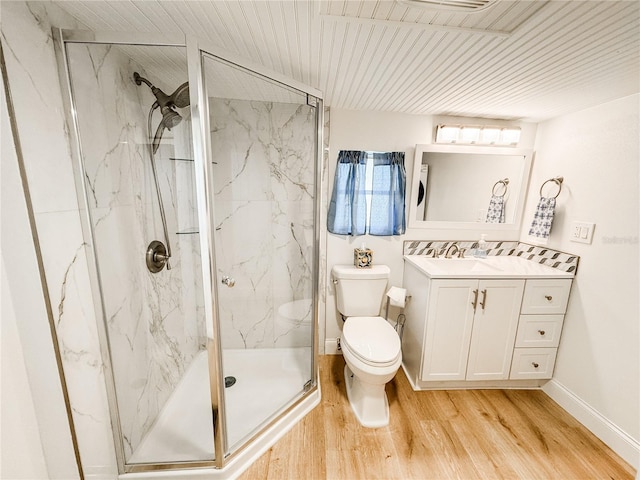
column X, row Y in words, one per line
column 458, row 266
column 490, row 267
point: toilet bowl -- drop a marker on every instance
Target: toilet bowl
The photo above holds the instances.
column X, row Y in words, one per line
column 371, row 350
column 370, row 345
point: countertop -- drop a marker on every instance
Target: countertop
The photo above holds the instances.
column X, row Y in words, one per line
column 491, row 267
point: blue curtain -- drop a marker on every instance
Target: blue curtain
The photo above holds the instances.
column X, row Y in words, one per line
column 347, row 209
column 388, row 195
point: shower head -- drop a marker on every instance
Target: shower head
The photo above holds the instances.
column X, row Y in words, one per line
column 170, row 118
column 179, row 98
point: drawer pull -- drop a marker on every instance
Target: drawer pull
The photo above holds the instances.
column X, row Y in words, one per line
column 484, row 299
column 548, row 297
column 541, row 332
column 535, row 365
column 475, row 299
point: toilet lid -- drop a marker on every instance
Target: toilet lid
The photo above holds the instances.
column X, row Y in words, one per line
column 371, row 339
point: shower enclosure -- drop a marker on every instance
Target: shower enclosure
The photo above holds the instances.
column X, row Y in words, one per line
column 197, row 179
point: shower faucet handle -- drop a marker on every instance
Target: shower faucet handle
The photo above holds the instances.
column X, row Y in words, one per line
column 228, row 281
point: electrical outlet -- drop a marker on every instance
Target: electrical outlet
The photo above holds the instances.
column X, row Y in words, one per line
column 582, row 232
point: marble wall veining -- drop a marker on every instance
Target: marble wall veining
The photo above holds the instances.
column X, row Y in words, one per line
column 152, row 320
column 145, row 335
column 264, row 207
column 32, row 73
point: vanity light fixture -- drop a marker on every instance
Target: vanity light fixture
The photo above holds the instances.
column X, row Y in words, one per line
column 469, row 135
column 478, row 135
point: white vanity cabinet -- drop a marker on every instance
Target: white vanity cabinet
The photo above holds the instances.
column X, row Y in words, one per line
column 491, row 330
column 470, row 329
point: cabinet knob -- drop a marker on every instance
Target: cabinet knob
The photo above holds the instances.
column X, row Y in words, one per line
column 548, row 297
column 535, row 365
column 541, row 332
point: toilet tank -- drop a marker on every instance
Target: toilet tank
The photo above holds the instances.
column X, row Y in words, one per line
column 359, row 291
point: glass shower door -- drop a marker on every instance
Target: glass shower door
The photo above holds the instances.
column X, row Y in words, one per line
column 136, row 171
column 204, row 355
column 263, row 143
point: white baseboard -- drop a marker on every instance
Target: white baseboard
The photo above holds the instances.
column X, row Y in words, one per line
column 618, row 440
column 331, row 346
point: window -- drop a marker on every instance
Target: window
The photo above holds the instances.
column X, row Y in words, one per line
column 368, row 194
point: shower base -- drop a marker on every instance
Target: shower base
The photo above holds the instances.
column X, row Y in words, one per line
column 266, row 381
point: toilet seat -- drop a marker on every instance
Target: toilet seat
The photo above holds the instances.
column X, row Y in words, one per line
column 372, row 340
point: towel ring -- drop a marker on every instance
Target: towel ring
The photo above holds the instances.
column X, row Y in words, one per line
column 557, row 181
column 504, row 183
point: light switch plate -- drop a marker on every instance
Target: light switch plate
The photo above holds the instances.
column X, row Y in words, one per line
column 582, row 232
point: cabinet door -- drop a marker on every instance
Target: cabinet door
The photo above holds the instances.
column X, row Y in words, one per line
column 449, row 322
column 494, row 329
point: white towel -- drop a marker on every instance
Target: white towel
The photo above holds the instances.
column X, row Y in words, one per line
column 543, row 219
column 495, row 213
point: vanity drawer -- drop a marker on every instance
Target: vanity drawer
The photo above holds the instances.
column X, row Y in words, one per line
column 531, row 363
column 539, row 330
column 546, row 296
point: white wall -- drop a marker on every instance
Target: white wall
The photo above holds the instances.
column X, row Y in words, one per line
column 22, row 454
column 598, row 367
column 386, row 131
column 596, row 150
column 36, row 440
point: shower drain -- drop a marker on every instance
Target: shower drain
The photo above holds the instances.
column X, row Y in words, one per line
column 229, row 381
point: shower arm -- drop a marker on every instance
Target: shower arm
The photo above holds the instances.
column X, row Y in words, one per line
column 167, row 256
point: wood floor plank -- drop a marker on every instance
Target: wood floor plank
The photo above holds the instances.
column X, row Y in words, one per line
column 456, row 434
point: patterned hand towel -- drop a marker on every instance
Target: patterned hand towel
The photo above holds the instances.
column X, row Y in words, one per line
column 495, row 213
column 543, row 218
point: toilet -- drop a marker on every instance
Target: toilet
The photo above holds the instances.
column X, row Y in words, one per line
column 370, row 345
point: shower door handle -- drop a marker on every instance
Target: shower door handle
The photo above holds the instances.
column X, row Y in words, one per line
column 228, row 281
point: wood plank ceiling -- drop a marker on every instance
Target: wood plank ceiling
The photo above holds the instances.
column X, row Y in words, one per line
column 526, row 59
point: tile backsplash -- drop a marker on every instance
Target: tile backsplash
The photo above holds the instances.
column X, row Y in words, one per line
column 546, row 256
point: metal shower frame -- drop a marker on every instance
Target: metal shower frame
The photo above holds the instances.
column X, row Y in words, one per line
column 196, row 50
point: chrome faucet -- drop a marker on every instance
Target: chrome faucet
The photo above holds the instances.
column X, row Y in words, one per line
column 452, row 250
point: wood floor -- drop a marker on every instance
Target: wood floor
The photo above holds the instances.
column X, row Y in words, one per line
column 457, row 434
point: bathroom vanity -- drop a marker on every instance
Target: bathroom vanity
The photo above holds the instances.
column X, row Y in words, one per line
column 482, row 323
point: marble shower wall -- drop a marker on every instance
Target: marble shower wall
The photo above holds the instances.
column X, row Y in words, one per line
column 154, row 321
column 264, row 205
column 32, row 75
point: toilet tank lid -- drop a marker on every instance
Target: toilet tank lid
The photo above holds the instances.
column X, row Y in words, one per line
column 350, row 272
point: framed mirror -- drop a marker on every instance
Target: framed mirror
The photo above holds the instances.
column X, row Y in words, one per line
column 469, row 187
